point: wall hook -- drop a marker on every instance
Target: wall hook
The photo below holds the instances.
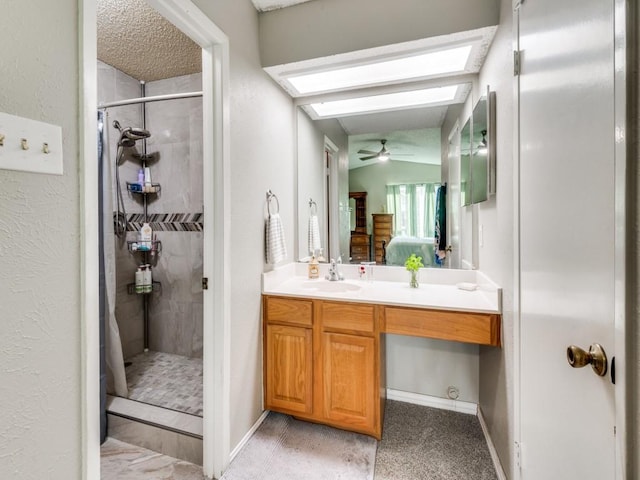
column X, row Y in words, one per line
column 45, row 148
column 24, row 144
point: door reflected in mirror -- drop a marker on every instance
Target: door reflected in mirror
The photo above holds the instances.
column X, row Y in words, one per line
column 465, row 164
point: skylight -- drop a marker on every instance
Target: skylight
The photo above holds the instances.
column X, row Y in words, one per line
column 412, row 67
column 389, row 101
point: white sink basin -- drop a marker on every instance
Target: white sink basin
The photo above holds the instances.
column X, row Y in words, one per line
column 329, row 287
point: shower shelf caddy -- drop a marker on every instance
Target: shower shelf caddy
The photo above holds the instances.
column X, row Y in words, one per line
column 134, row 246
column 155, row 287
column 138, row 189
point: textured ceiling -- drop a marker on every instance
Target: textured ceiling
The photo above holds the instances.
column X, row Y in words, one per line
column 138, row 41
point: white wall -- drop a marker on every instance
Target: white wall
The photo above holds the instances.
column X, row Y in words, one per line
column 40, row 378
column 311, row 182
column 262, row 158
column 496, row 255
column 338, row 26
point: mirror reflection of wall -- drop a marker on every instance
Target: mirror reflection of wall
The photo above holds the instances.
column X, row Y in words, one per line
column 313, row 182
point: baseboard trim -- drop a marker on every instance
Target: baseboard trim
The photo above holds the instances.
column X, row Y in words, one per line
column 492, row 448
column 248, row 435
column 430, row 401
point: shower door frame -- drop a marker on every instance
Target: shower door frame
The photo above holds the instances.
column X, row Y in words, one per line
column 216, row 300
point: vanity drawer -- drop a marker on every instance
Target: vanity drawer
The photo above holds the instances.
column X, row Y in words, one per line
column 348, row 316
column 469, row 327
column 288, row 311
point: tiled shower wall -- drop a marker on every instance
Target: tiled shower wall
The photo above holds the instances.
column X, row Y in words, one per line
column 175, row 312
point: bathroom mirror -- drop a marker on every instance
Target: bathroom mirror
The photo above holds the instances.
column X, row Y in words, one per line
column 482, row 148
column 351, row 174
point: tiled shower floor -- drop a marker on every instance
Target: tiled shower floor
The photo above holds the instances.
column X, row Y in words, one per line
column 166, row 380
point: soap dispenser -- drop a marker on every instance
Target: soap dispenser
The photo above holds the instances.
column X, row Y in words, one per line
column 314, row 268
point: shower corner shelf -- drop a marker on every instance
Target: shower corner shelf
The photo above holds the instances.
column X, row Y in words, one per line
column 155, row 287
column 143, row 246
column 135, row 187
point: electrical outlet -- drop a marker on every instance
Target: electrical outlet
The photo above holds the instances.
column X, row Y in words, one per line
column 453, row 393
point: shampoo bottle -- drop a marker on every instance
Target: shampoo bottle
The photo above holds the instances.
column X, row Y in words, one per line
column 147, row 179
column 139, row 280
column 148, row 281
column 146, row 235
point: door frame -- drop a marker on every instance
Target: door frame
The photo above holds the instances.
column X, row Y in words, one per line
column 216, row 240
column 332, row 200
column 621, row 39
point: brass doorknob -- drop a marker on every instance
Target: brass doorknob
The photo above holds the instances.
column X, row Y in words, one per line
column 596, row 356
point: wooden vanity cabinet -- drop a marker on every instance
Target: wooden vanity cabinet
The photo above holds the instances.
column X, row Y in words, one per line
column 322, row 362
column 324, row 359
column 351, row 395
column 288, row 355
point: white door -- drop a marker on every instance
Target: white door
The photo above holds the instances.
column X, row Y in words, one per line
column 567, row 228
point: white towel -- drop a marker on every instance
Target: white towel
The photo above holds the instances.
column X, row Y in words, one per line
column 276, row 250
column 314, row 235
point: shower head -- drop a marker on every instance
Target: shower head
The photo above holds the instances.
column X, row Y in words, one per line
column 136, row 133
column 129, row 135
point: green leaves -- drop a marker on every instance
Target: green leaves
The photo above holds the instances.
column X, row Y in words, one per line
column 413, row 263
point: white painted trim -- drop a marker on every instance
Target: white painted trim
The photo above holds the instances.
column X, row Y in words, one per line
column 216, row 236
column 434, row 402
column 216, row 153
column 332, row 203
column 620, row 261
column 249, row 434
column 492, row 448
column 516, row 472
column 89, row 245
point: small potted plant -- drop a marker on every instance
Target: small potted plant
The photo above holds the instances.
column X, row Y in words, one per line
column 413, row 264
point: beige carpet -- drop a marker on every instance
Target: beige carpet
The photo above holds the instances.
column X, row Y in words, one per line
column 285, row 448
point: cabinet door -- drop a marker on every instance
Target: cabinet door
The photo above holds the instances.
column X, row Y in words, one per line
column 288, row 369
column 350, row 370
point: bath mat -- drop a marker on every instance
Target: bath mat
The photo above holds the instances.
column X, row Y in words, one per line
column 286, row 448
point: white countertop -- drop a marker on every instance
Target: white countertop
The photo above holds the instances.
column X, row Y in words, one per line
column 390, row 286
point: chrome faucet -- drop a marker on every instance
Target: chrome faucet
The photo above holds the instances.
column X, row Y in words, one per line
column 334, row 273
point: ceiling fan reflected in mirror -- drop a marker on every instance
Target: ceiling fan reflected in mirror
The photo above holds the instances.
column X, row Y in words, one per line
column 383, row 155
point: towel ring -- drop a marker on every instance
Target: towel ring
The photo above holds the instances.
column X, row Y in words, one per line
column 271, row 196
column 313, row 206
